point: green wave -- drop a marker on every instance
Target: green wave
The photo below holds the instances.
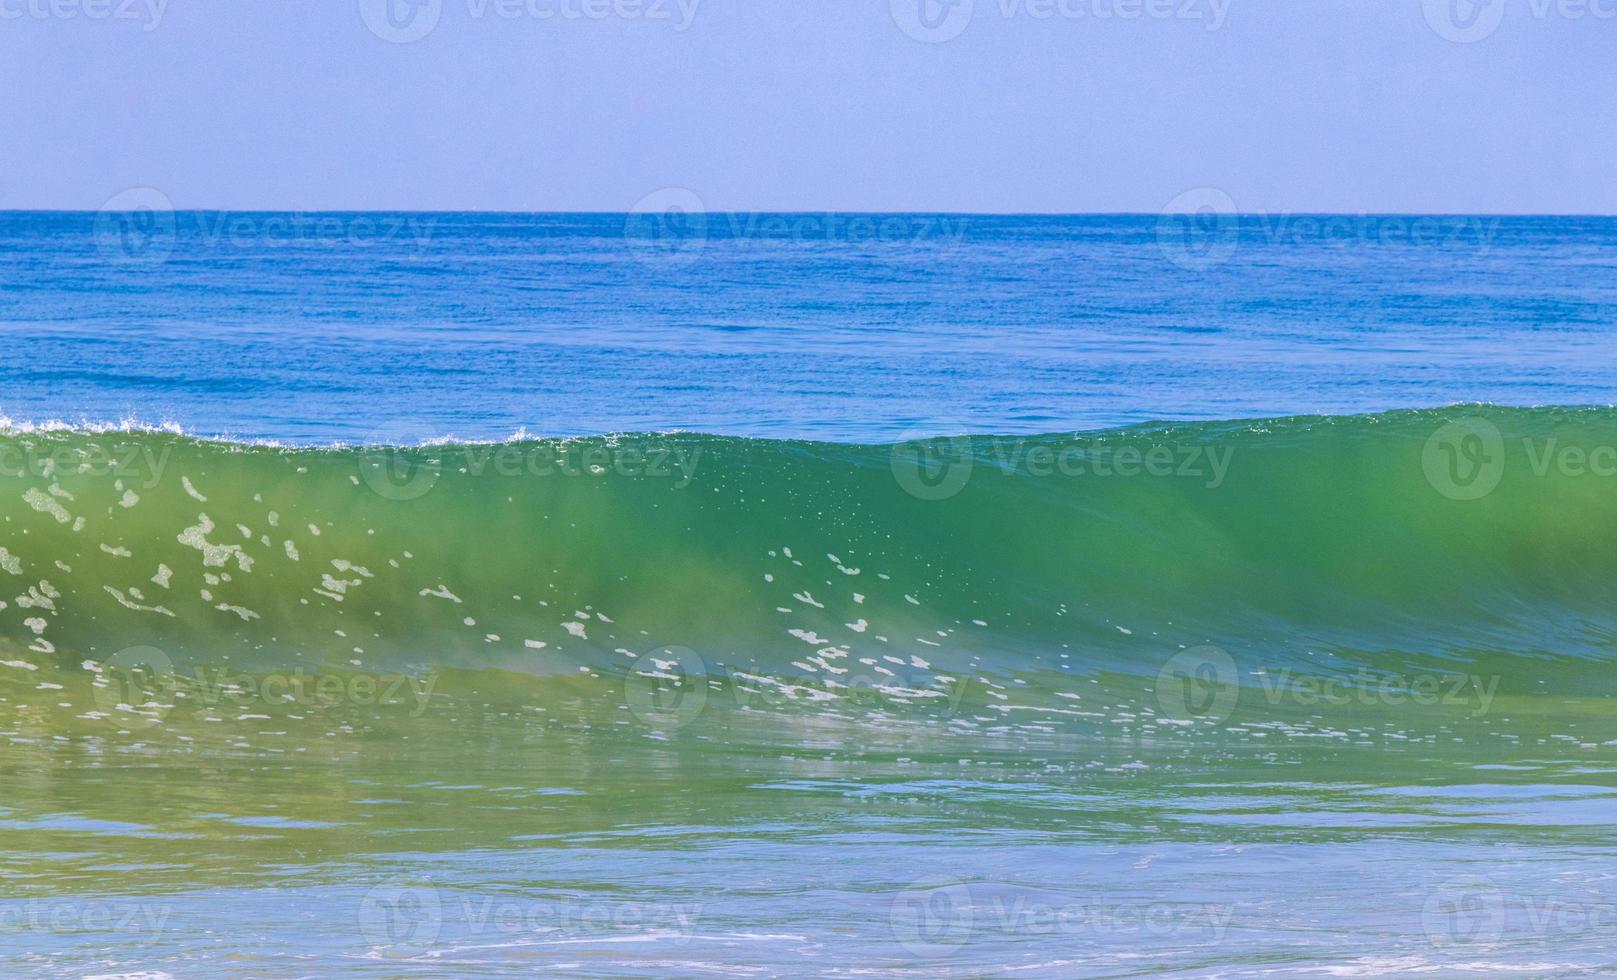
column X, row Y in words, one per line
column 1411, row 540
column 248, row 681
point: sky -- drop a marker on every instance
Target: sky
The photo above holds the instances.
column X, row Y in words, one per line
column 1504, row 106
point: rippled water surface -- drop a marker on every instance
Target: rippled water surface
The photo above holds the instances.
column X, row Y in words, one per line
column 1309, row 693
column 368, row 327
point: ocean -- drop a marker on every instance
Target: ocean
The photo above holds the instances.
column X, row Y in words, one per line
column 686, row 594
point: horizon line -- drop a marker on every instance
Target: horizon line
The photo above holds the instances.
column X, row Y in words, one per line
column 856, row 213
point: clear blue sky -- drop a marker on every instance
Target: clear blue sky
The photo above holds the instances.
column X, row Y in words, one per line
column 982, row 105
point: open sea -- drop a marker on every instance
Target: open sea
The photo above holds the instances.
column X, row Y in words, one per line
column 684, row 594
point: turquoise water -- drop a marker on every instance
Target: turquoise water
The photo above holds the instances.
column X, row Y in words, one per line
column 1308, row 682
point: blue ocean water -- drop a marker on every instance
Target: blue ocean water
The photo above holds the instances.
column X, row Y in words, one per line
column 317, row 328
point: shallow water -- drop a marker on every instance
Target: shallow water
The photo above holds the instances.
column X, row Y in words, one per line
column 475, row 840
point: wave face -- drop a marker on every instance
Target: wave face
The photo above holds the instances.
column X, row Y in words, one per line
column 977, row 705
column 1324, row 543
